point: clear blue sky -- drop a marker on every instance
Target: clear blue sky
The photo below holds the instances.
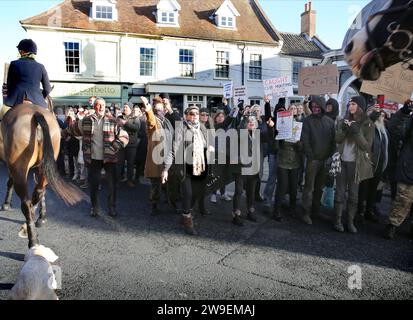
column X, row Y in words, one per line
column 333, row 19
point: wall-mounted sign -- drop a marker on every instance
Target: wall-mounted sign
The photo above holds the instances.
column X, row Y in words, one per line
column 61, row 89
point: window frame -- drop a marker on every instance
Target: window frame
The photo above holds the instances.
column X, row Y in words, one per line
column 255, row 67
column 296, row 73
column 154, row 64
column 222, row 64
column 79, row 43
column 112, row 9
column 186, row 63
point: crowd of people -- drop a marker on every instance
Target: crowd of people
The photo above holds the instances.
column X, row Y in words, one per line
column 344, row 160
column 341, row 162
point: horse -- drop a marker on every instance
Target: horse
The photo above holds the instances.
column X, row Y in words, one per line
column 384, row 38
column 30, row 138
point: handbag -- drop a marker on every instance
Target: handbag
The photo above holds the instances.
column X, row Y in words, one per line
column 335, row 167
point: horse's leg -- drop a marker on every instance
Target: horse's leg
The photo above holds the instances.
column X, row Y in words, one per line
column 7, row 202
column 20, row 185
column 39, row 197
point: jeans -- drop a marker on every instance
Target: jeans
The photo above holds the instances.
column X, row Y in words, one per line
column 344, row 181
column 287, row 181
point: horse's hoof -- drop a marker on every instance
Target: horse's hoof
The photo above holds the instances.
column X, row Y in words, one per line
column 5, row 207
column 40, row 223
column 23, row 231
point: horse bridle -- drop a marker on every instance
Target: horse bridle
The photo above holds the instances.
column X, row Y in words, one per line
column 405, row 54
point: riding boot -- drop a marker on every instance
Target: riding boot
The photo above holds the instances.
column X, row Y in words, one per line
column 188, row 223
column 352, row 211
column 338, row 225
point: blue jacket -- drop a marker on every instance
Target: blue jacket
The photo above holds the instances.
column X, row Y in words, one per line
column 23, row 82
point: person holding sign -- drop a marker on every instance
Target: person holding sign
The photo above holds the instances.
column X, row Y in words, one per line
column 289, row 162
column 354, row 137
column 319, row 145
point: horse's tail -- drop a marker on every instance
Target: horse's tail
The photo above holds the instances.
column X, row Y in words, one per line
column 69, row 193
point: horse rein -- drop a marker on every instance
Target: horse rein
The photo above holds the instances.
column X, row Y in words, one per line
column 405, row 54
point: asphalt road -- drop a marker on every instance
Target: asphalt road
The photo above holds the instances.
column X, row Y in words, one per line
column 137, row 256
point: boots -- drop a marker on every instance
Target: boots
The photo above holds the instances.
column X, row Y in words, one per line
column 154, row 209
column 372, row 217
column 236, row 218
column 390, row 231
column 251, row 215
column 277, row 214
column 338, row 225
column 352, row 210
column 307, row 218
column 188, row 224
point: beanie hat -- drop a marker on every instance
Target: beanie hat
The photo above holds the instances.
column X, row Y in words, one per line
column 191, row 108
column 204, row 110
column 361, row 102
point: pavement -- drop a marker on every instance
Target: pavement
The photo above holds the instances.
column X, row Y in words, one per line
column 139, row 256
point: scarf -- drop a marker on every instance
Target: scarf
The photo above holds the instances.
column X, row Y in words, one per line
column 28, row 56
column 198, row 157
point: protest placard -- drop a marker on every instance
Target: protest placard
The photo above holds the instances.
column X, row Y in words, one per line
column 396, row 83
column 297, row 129
column 240, row 93
column 284, row 125
column 228, row 90
column 318, row 80
column 278, row 87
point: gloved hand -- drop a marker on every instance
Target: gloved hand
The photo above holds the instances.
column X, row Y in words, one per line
column 116, row 146
column 375, row 115
column 354, row 128
column 407, row 107
column 344, row 126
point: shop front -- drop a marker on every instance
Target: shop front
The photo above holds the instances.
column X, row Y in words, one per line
column 69, row 94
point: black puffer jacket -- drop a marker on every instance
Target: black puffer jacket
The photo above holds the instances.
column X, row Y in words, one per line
column 132, row 127
column 333, row 114
column 318, row 136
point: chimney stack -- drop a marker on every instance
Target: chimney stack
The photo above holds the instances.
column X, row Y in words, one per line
column 308, row 21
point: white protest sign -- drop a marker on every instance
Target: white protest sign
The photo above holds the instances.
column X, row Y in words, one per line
column 228, row 90
column 278, row 87
column 240, row 93
column 297, row 129
column 284, row 125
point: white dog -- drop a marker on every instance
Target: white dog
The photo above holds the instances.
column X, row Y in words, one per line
column 36, row 280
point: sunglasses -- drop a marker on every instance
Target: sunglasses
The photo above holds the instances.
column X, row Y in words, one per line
column 204, row 114
column 193, row 113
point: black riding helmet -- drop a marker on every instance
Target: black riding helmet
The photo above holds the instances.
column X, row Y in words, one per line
column 27, row 45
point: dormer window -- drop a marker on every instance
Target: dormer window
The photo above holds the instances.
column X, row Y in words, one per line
column 167, row 13
column 227, row 22
column 104, row 10
column 225, row 16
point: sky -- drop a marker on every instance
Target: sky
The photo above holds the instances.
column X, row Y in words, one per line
column 333, row 19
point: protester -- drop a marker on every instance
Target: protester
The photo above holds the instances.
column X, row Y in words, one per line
column 319, row 145
column 354, row 138
column 368, row 188
column 102, row 140
column 401, row 128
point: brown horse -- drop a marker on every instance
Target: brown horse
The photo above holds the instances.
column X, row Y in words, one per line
column 30, row 138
